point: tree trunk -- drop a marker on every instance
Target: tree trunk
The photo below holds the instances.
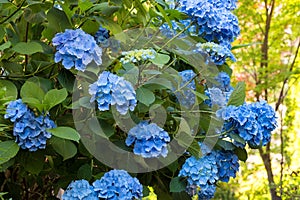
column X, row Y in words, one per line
column 268, row 166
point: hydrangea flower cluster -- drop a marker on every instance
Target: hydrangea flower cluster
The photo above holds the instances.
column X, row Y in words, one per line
column 216, row 97
column 185, row 96
column 118, row 185
column 30, row 131
column 202, row 174
column 217, row 53
column 214, row 19
column 111, row 89
column 102, row 36
column 76, row 48
column 200, row 171
column 137, row 55
column 219, row 94
column 224, row 82
column 80, row 190
column 252, row 122
column 150, row 141
column 228, row 164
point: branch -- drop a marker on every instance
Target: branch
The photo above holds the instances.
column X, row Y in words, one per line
column 281, row 94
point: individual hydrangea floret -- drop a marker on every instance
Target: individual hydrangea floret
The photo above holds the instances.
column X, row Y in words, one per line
column 111, row 89
column 137, row 55
column 228, row 165
column 76, row 48
column 150, row 141
column 30, row 131
column 80, row 190
column 185, row 95
column 118, row 185
column 102, row 37
column 217, row 53
column 252, row 122
column 15, row 110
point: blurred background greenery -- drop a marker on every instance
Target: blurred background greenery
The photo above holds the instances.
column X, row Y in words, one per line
column 269, row 63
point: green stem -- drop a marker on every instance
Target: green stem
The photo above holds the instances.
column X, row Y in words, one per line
column 12, row 14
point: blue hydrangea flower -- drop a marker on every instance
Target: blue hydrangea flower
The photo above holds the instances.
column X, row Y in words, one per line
column 217, row 53
column 200, row 171
column 252, row 122
column 80, row 190
column 123, row 96
column 102, row 36
column 137, row 55
column 177, row 27
column 185, row 96
column 30, row 131
column 266, row 119
column 76, row 48
column 207, row 192
column 118, row 185
column 228, row 165
column 227, row 4
column 216, row 97
column 149, row 140
column 15, row 110
column 215, row 23
column 224, row 81
column 111, row 89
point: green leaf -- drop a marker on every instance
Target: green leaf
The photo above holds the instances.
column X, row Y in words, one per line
column 8, row 150
column 226, row 145
column 195, row 150
column 158, row 83
column 28, row 48
column 33, row 162
column 10, row 89
column 65, row 148
column 85, row 172
column 6, row 165
column 237, row 138
column 33, row 103
column 145, row 96
column 4, row 46
column 176, row 185
column 203, row 97
column 104, row 8
column 245, row 45
column 43, row 83
column 2, row 33
column 238, row 95
column 54, row 97
column 241, row 153
column 65, row 133
column 161, row 59
column 84, row 5
column 58, row 22
column 32, row 90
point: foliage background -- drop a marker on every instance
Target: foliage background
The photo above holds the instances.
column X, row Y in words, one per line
column 29, row 21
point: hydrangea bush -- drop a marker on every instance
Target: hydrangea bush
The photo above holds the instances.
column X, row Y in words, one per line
column 80, row 79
